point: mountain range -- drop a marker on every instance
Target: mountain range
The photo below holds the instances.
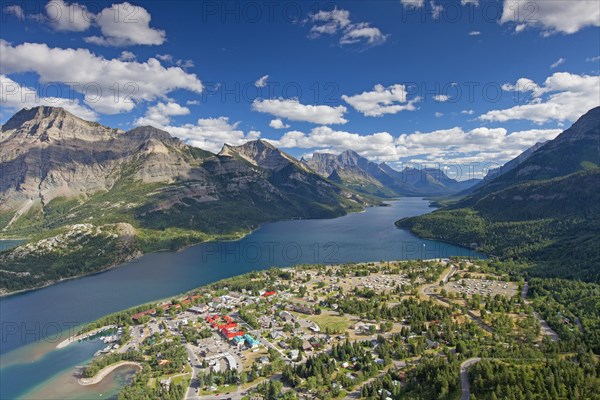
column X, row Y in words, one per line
column 73, row 180
column 544, row 207
column 362, row 175
column 87, row 196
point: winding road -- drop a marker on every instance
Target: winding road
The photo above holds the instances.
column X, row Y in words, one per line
column 464, row 377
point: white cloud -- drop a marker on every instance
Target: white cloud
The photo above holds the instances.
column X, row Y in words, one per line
column 522, row 85
column 593, row 59
column 127, row 56
column 65, row 17
column 436, row 10
column 474, row 33
column 375, row 145
column 442, row 146
column 14, row 97
column 363, row 31
column 211, row 133
column 185, row 64
column 558, row 62
column 168, row 58
column 472, row 2
column 568, row 96
column 126, row 24
column 293, row 110
column 96, row 76
column 382, row 100
column 192, row 102
column 412, row 3
column 467, row 112
column 15, row 10
column 160, row 114
column 552, row 16
column 439, row 114
column 262, row 81
column 338, row 21
column 122, row 24
column 278, row 124
column 442, row 98
column 329, row 22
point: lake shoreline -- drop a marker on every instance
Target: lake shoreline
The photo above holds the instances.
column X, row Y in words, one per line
column 139, row 254
column 104, row 372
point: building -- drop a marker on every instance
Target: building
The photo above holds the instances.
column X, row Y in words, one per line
column 231, row 361
column 286, row 316
column 302, row 309
column 238, row 341
column 252, row 343
column 199, row 309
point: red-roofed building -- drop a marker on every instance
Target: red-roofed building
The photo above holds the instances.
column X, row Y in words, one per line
column 267, row 294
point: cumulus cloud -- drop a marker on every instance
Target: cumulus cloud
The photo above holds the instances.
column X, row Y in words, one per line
column 471, row 2
column 593, row 59
column 127, row 56
column 278, row 124
column 122, row 24
column 192, row 102
column 337, row 21
column 439, row 114
column 160, row 114
column 441, row 146
column 126, row 24
column 563, row 96
column 382, row 100
column 551, row 16
column 442, row 98
column 474, row 33
column 293, row 110
column 558, row 62
column 211, row 133
column 262, row 81
column 65, row 17
column 110, row 85
column 522, row 85
column 14, row 97
column 467, row 112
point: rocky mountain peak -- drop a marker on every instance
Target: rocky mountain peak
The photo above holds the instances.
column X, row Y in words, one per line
column 51, row 124
column 145, row 133
column 261, row 153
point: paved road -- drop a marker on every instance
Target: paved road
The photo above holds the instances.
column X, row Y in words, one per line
column 195, row 362
column 464, row 377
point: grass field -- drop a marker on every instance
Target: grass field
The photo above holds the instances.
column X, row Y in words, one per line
column 333, row 323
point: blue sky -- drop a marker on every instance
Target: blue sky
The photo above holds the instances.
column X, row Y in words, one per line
column 411, row 81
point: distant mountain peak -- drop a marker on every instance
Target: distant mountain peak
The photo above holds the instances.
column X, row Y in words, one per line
column 261, row 153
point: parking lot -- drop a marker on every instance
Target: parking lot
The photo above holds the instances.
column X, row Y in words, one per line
column 482, row 287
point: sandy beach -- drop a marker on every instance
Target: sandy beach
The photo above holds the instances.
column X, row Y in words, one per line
column 105, row 371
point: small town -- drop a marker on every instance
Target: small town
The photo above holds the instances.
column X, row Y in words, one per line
column 347, row 331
